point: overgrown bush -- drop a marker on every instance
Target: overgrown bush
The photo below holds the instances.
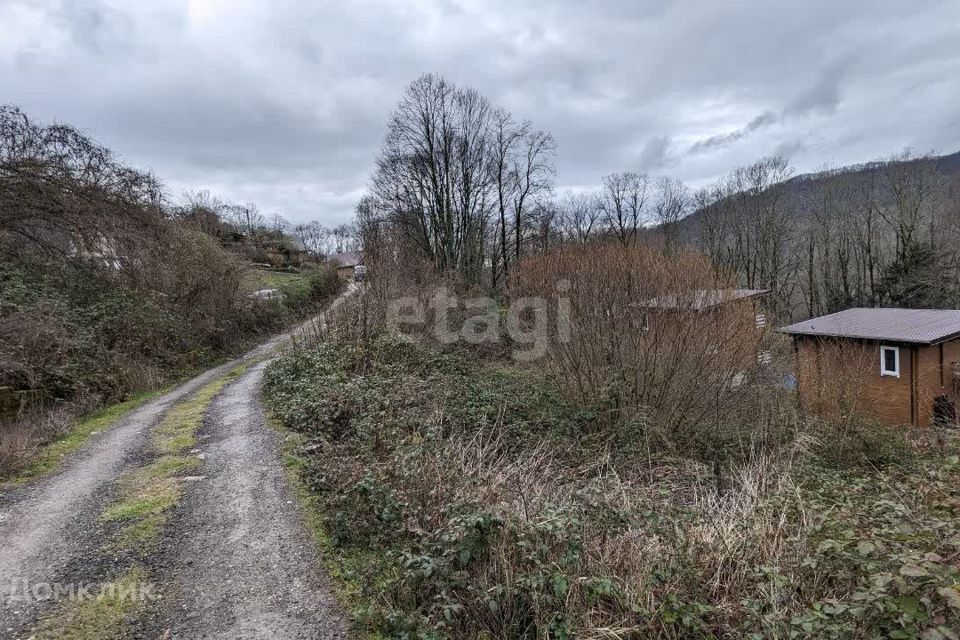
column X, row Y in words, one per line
column 862, row 442
column 320, row 284
column 471, row 500
column 653, row 339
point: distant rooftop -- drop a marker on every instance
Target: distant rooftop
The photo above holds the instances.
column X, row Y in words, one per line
column 347, row 259
column 917, row 326
column 700, row 299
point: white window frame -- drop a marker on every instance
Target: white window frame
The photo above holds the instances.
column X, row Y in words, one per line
column 895, row 373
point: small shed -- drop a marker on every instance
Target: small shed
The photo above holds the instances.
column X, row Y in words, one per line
column 347, row 262
column 735, row 318
column 897, row 365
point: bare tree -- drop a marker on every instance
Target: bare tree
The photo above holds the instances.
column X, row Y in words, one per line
column 546, row 226
column 247, row 218
column 345, row 237
column 623, row 204
column 522, row 169
column 278, row 224
column 507, row 136
column 315, row 238
column 203, row 210
column 579, row 216
column 61, row 192
column 905, row 199
column 433, row 174
column 749, row 230
column 671, row 204
column 534, row 171
column 461, row 178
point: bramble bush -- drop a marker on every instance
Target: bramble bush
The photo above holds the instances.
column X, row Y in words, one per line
column 472, row 500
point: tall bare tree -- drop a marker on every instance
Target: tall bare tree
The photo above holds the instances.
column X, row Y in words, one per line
column 623, row 202
column 461, row 177
column 534, row 171
column 579, row 216
column 670, row 205
column 433, row 174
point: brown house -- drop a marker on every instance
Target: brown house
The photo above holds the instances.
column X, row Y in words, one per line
column 347, row 264
column 897, row 365
column 736, row 318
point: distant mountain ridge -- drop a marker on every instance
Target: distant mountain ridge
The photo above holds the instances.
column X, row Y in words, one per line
column 798, row 188
column 946, row 164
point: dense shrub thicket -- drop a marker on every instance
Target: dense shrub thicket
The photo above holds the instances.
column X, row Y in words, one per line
column 467, row 500
column 76, row 335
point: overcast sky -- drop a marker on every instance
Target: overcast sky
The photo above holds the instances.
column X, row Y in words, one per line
column 284, row 103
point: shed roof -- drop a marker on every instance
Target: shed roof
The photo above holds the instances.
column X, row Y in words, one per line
column 916, row 326
column 348, row 259
column 700, row 299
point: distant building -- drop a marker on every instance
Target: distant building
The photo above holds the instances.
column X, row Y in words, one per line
column 737, row 317
column 347, row 264
column 897, row 365
column 704, row 299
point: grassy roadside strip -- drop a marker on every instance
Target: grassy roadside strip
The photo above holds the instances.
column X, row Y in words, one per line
column 343, row 567
column 51, row 455
column 48, row 456
column 135, row 520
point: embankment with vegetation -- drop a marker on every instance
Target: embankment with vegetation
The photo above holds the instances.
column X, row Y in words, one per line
column 107, row 291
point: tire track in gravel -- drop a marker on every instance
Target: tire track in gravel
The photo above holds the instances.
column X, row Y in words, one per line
column 243, row 563
column 43, row 524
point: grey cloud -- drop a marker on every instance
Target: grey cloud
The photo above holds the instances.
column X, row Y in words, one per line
column 90, row 26
column 286, row 103
column 723, row 140
column 789, row 149
column 823, row 96
column 654, row 154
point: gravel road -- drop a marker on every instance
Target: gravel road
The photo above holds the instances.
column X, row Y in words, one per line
column 241, row 562
column 244, row 564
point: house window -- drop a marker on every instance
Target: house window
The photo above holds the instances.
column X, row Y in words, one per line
column 890, row 361
column 761, row 321
column 764, row 357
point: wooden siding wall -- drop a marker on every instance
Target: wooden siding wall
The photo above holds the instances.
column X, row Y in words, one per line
column 840, row 376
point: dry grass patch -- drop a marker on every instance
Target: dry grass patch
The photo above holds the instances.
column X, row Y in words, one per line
column 35, row 445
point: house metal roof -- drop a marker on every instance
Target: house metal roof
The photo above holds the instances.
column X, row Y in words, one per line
column 347, row 259
column 701, row 299
column 916, row 326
